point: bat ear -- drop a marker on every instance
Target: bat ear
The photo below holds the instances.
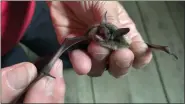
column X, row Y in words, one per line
column 121, row 31
column 104, row 18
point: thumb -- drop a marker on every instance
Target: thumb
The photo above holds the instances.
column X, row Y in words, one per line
column 47, row 89
column 15, row 79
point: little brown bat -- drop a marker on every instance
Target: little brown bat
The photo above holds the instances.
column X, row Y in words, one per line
column 105, row 34
column 111, row 37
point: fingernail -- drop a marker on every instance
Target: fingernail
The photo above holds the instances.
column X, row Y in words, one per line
column 58, row 68
column 140, row 66
column 100, row 56
column 49, row 86
column 98, row 52
column 122, row 75
column 127, row 64
column 123, row 69
column 20, row 76
column 140, row 63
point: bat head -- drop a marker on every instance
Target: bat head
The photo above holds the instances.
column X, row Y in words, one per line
column 109, row 36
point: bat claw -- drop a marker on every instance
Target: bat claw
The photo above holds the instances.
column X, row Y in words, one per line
column 47, row 74
column 174, row 56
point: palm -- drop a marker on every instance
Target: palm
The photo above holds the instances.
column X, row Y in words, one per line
column 75, row 21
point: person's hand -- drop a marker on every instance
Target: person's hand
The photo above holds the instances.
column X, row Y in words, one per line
column 47, row 90
column 73, row 19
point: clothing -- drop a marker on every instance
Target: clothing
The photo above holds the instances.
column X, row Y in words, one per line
column 16, row 16
column 39, row 35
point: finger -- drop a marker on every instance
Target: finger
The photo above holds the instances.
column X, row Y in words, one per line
column 143, row 54
column 120, row 61
column 98, row 56
column 81, row 62
column 15, row 79
column 47, row 89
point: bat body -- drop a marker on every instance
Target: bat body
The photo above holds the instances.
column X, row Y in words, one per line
column 111, row 37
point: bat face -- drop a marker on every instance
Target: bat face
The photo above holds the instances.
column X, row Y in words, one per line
column 109, row 36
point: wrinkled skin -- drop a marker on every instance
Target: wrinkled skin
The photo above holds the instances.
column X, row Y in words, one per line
column 17, row 77
column 69, row 22
column 72, row 19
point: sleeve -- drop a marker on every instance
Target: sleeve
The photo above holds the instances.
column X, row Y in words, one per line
column 16, row 16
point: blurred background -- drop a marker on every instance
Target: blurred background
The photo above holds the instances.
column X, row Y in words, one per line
column 162, row 81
